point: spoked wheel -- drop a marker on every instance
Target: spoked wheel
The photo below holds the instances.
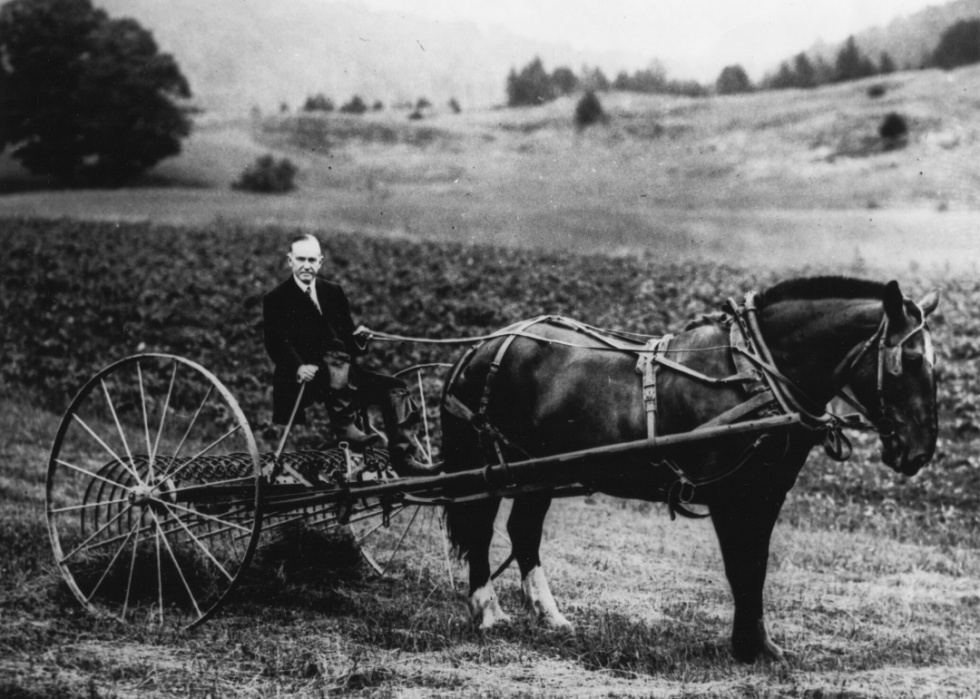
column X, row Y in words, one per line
column 154, row 492
column 396, row 536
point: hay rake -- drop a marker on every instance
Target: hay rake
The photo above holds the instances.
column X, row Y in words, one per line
column 157, row 494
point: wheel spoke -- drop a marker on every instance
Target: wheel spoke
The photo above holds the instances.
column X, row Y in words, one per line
column 204, row 451
column 105, row 572
column 105, row 446
column 180, row 571
column 201, row 514
column 191, row 425
column 132, row 567
column 91, row 473
column 98, row 531
column 101, row 503
column 197, row 541
column 122, row 435
column 163, row 414
column 156, row 537
column 146, row 421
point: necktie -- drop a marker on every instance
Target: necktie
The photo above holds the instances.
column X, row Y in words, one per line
column 309, row 295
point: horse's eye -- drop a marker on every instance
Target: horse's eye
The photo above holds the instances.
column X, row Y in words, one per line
column 913, row 360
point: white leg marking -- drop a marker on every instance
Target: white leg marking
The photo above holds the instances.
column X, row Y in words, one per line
column 485, row 610
column 538, row 599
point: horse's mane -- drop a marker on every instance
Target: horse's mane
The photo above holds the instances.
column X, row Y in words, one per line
column 810, row 288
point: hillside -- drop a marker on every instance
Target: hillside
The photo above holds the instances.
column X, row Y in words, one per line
column 908, row 40
column 781, row 177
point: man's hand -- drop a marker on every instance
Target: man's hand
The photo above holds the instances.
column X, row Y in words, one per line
column 306, row 372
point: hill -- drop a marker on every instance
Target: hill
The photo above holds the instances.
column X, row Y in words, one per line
column 239, row 55
column 908, row 40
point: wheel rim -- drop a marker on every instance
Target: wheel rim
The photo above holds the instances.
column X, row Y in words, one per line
column 154, row 492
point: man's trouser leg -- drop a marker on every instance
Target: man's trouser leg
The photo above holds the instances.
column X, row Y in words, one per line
column 401, row 416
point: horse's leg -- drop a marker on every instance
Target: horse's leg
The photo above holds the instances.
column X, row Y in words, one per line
column 471, row 527
column 744, row 526
column 524, row 526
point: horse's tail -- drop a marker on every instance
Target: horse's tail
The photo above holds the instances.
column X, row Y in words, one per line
column 467, row 523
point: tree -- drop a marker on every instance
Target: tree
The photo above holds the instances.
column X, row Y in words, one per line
column 86, row 98
column 733, row 80
column 318, row 103
column 806, row 76
column 564, row 80
column 959, row 45
column 886, row 65
column 355, row 106
column 532, row 86
column 851, row 63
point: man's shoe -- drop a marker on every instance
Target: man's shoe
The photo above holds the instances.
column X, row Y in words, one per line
column 355, row 438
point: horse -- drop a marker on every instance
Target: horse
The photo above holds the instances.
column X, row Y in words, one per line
column 553, row 386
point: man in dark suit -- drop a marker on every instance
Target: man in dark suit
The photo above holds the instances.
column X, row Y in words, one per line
column 309, row 335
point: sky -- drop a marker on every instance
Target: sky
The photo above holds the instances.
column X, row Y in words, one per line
column 693, row 38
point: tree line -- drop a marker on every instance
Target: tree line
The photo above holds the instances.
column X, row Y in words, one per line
column 533, row 84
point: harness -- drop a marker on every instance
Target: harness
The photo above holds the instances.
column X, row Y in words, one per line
column 767, row 390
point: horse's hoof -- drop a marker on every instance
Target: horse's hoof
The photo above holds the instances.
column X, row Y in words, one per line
column 754, row 644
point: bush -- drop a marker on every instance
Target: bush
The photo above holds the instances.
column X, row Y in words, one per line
column 893, row 130
column 589, row 111
column 318, row 103
column 268, row 176
column 877, row 90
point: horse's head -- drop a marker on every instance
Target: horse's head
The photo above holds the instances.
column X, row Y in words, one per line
column 895, row 381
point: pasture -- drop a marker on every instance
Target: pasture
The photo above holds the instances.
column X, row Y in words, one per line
column 454, row 227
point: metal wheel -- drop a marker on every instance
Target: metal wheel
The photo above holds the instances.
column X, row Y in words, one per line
column 396, row 537
column 154, row 492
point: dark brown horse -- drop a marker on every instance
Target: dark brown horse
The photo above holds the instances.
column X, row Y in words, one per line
column 566, row 390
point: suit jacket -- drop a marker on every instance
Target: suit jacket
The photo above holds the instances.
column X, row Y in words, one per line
column 296, row 334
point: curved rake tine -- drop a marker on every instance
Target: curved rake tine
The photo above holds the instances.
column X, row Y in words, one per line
column 190, row 427
column 399, row 544
column 163, row 414
column 445, row 553
column 173, row 557
column 93, row 474
column 146, row 421
column 377, row 526
column 105, row 446
column 122, row 435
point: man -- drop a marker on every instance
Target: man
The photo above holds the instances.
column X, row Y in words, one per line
column 309, row 335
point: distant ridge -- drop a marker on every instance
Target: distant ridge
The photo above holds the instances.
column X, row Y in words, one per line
column 243, row 53
column 908, row 40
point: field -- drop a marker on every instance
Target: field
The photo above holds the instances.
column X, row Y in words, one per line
column 874, row 578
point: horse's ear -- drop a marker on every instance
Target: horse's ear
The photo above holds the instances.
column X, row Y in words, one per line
column 929, row 302
column 894, row 302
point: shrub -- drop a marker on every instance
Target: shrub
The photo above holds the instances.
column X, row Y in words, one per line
column 318, row 103
column 267, row 175
column 454, row 105
column 893, row 130
column 589, row 110
column 877, row 90
column 733, row 80
column 355, row 106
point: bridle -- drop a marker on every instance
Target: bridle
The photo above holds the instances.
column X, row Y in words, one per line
column 889, row 362
column 786, row 392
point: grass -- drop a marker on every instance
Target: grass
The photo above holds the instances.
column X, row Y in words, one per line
column 865, row 609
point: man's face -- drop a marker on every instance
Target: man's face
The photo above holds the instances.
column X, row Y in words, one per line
column 305, row 260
